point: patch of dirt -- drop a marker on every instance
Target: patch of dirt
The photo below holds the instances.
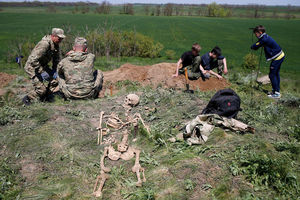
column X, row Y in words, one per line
column 2, row 151
column 29, row 169
column 166, row 192
column 207, row 173
column 5, row 79
column 159, row 74
column 59, row 115
column 161, row 171
column 95, row 122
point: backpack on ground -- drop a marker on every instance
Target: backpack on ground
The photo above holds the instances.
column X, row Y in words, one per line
column 225, row 103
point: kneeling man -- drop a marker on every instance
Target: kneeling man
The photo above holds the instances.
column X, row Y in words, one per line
column 191, row 61
column 77, row 77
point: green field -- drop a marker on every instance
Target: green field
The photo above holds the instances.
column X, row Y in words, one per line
column 49, row 151
column 175, row 33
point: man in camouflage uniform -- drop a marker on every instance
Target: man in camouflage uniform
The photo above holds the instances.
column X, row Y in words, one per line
column 77, row 77
column 41, row 75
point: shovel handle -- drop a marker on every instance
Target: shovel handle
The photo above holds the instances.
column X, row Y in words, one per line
column 186, row 74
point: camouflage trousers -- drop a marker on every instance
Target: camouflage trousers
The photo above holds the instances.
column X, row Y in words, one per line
column 193, row 70
column 42, row 89
column 219, row 64
column 92, row 94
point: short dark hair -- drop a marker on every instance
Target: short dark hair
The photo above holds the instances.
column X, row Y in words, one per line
column 259, row 28
column 216, row 50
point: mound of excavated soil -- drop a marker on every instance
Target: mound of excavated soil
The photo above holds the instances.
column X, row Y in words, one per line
column 5, row 79
column 159, row 75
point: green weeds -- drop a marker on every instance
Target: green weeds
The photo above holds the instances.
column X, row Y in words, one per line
column 9, row 181
column 9, row 115
column 61, row 141
column 266, row 170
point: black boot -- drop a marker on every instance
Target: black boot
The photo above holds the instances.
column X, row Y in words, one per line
column 60, row 95
column 26, row 100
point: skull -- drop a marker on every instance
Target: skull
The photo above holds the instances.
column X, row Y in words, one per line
column 132, row 100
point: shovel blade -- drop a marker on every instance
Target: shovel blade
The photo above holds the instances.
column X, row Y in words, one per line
column 188, row 89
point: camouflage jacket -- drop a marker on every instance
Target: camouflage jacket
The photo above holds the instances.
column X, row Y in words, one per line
column 41, row 55
column 77, row 73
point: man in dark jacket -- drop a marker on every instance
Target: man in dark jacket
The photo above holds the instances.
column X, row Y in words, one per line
column 212, row 60
column 190, row 60
column 273, row 53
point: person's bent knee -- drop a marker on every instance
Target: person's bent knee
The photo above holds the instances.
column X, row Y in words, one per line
column 98, row 79
column 39, row 87
column 197, row 59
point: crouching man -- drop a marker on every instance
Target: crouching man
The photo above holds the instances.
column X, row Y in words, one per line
column 211, row 60
column 191, row 61
column 42, row 76
column 77, row 77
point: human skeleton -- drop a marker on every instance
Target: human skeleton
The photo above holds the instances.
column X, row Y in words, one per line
column 124, row 151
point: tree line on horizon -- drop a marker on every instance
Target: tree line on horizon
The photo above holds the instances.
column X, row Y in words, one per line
column 169, row 9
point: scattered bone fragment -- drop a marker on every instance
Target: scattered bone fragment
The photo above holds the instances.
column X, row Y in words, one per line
column 100, row 129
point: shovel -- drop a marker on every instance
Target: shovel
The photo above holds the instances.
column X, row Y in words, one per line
column 187, row 82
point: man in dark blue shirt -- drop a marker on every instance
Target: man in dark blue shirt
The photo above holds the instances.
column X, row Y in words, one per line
column 274, row 53
column 211, row 60
column 191, row 61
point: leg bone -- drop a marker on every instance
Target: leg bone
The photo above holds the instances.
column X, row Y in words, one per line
column 103, row 178
column 103, row 168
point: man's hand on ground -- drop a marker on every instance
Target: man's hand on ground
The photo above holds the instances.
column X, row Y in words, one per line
column 175, row 75
column 219, row 77
column 225, row 71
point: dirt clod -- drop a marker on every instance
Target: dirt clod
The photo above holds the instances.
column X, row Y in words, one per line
column 5, row 79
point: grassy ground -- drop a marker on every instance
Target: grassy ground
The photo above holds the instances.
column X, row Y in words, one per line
column 49, row 150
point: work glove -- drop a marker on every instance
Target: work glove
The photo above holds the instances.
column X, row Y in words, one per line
column 55, row 75
column 45, row 76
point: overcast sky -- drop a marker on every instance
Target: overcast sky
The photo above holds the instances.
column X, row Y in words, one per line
column 265, row 2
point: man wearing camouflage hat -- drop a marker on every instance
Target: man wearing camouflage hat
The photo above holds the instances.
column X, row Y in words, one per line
column 77, row 77
column 41, row 75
